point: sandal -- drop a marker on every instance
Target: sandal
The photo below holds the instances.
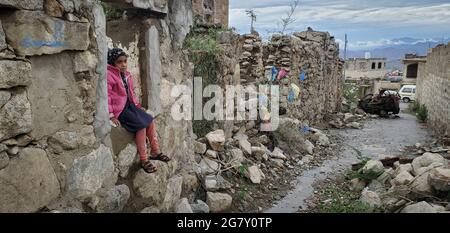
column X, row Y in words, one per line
column 161, row 157
column 149, row 167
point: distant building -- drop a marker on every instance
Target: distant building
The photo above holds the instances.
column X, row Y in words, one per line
column 211, row 12
column 412, row 68
column 366, row 74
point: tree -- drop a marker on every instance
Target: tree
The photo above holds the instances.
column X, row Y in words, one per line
column 251, row 13
column 289, row 19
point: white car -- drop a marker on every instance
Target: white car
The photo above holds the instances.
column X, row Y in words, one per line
column 408, row 93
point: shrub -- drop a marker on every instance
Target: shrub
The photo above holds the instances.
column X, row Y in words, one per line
column 422, row 113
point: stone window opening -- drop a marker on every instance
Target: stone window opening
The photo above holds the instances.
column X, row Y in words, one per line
column 380, row 65
column 373, row 65
column 411, row 71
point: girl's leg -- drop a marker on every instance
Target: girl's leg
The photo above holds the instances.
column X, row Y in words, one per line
column 141, row 147
column 153, row 137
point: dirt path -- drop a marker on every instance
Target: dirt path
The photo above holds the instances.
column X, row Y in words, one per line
column 379, row 138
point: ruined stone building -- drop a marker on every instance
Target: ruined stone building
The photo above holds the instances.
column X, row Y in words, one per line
column 366, row 73
column 58, row 151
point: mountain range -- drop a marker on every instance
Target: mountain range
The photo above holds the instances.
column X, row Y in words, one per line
column 396, row 49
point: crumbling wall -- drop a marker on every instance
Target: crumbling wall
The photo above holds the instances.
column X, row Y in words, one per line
column 49, row 81
column 316, row 54
column 56, row 150
column 251, row 59
column 211, row 12
column 433, row 88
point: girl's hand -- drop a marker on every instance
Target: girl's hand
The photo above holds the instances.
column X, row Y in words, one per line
column 115, row 121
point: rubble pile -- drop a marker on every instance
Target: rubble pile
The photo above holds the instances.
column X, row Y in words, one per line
column 409, row 184
column 253, row 163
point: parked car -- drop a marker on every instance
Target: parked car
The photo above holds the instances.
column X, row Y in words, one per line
column 408, row 93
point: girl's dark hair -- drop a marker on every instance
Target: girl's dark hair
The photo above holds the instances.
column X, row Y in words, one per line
column 114, row 54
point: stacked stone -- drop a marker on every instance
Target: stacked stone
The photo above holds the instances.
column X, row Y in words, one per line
column 251, row 59
column 316, row 54
column 47, row 103
column 54, row 121
column 432, row 89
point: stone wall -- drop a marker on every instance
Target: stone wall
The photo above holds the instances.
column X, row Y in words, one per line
column 49, row 64
column 57, row 150
column 433, row 88
column 211, row 12
column 251, row 59
column 316, row 54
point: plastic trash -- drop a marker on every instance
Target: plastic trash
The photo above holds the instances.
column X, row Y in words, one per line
column 305, row 129
column 274, row 73
column 296, row 90
column 302, row 76
column 282, row 74
column 291, row 96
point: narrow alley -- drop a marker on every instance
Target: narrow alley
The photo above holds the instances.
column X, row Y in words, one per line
column 378, row 139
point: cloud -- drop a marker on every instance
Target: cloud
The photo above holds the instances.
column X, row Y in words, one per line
column 371, row 44
column 363, row 18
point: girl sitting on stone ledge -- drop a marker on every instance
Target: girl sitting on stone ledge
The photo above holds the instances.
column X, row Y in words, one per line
column 126, row 111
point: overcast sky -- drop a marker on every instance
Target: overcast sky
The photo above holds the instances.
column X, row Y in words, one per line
column 368, row 23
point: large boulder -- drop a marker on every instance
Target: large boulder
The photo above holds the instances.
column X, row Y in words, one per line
column 419, row 208
column 126, row 158
column 426, row 160
column 35, row 33
column 14, row 73
column 439, row 179
column 373, row 167
column 403, row 167
column 28, row 183
column 370, row 198
column 89, row 173
column 403, row 178
column 23, row 4
column 152, row 187
column 218, row 202
column 15, row 116
column 420, row 185
column 114, row 200
column 216, row 140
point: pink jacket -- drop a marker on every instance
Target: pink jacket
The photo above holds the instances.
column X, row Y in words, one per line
column 117, row 95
